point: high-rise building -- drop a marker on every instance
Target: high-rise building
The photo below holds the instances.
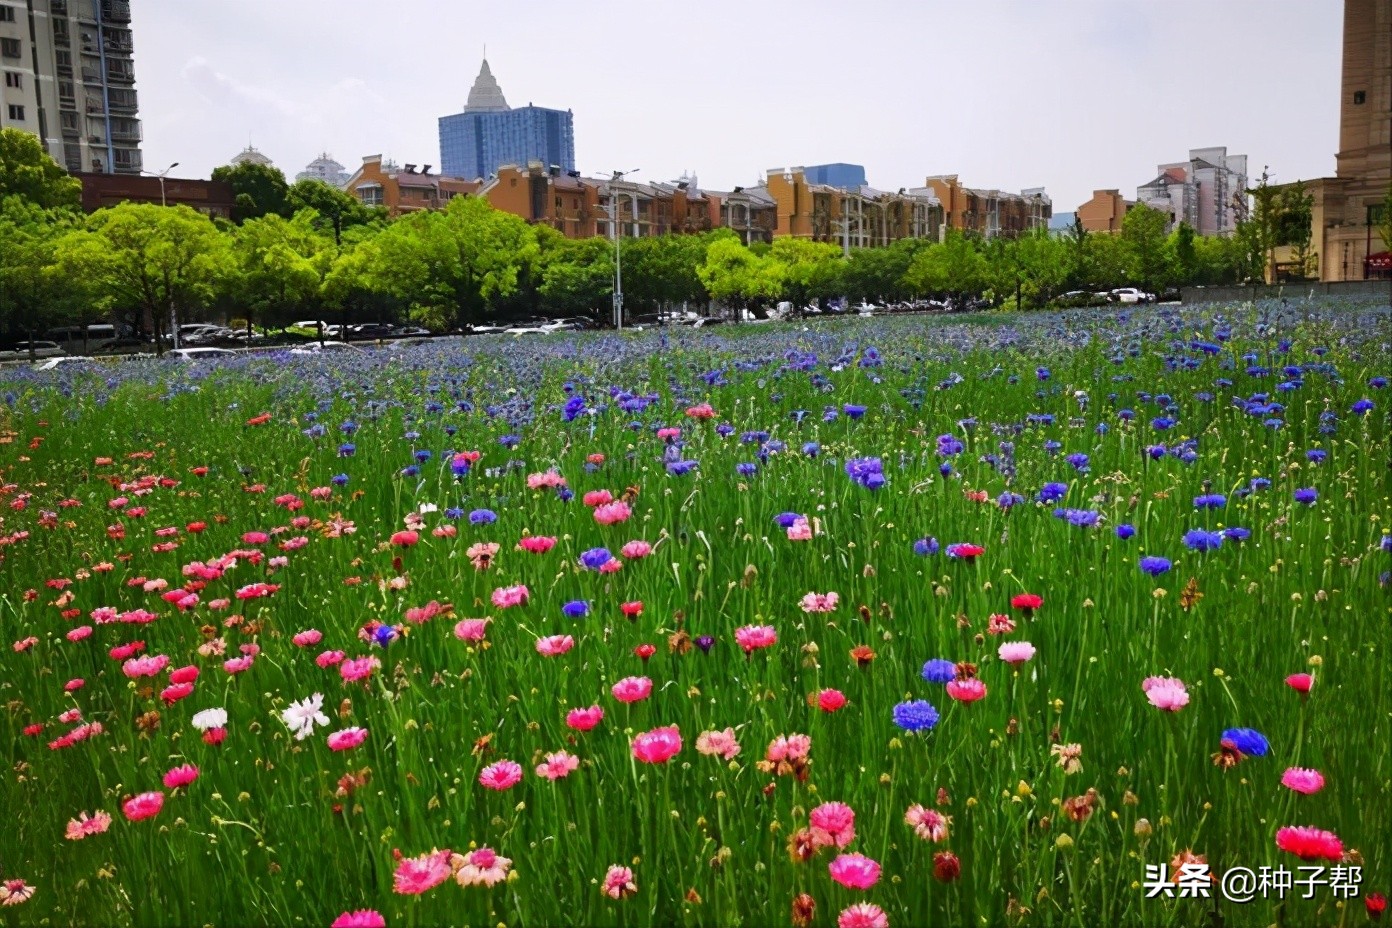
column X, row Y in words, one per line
column 326, row 169
column 839, row 174
column 69, row 78
column 490, row 134
column 1209, row 191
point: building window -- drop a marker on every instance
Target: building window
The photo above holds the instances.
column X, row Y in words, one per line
column 6, row 14
column 1358, row 97
column 370, row 195
column 16, row 113
column 12, row 79
column 9, row 48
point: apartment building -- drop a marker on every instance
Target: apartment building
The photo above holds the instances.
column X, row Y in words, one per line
column 325, row 169
column 990, row 213
column 1105, row 211
column 69, row 78
column 1208, row 191
column 489, row 134
column 856, row 217
column 405, row 189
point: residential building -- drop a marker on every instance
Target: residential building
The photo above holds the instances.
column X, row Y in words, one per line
column 748, row 211
column 405, row 189
column 990, row 213
column 251, row 155
column 69, row 78
column 210, row 197
column 1347, row 207
column 861, row 217
column 326, row 169
column 489, row 134
column 839, row 174
column 1209, row 191
column 1105, row 211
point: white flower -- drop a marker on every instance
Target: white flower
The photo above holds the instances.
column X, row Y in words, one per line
column 210, row 718
column 302, row 716
column 427, row 508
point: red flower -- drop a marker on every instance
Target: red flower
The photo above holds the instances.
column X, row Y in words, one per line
column 1375, row 903
column 830, row 700
column 1310, row 843
column 645, row 651
column 1300, row 682
column 632, row 610
column 946, row 866
column 199, row 471
column 33, row 731
column 259, row 420
column 405, row 539
column 1027, row 601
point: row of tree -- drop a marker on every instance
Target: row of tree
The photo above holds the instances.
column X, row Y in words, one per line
column 307, row 250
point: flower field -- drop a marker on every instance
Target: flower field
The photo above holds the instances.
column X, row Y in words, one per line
column 878, row 622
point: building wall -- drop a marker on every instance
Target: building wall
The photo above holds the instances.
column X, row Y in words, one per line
column 210, row 197
column 77, row 79
column 990, row 213
column 476, row 145
column 1105, row 211
column 376, row 184
column 838, row 174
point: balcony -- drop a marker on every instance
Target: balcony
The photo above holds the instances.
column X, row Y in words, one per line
column 116, row 11
column 126, row 133
column 120, row 75
column 58, row 7
column 61, row 39
column 128, row 161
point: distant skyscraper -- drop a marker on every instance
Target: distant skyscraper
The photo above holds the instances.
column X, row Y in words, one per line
column 489, row 134
column 250, row 155
column 326, row 169
column 68, row 77
column 839, row 174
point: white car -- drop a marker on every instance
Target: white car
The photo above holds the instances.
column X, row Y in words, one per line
column 40, row 350
column 316, row 348
column 1132, row 295
column 201, row 354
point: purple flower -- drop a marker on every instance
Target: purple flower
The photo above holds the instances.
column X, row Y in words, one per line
column 1306, row 496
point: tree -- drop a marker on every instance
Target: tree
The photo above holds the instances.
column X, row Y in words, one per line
column 1143, row 238
column 278, row 265
column 809, row 270
column 334, row 209
column 955, row 267
column 1384, row 220
column 577, row 276
column 257, row 189
column 1294, row 226
column 880, row 273
column 32, row 296
column 26, row 171
column 456, row 259
column 151, row 261
column 735, row 274
column 1182, row 254
column 1256, row 232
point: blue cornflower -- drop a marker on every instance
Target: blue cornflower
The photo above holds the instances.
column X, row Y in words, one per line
column 1079, row 462
column 1156, row 452
column 1155, row 566
column 1043, row 373
column 1008, row 500
column 1083, row 518
column 811, row 449
column 339, row 480
column 349, row 427
column 853, row 411
column 746, row 469
column 1362, row 407
column 483, row 517
column 1125, row 530
column 925, row 546
column 1202, row 540
column 939, row 670
column 1237, row 533
column 412, row 471
column 1161, row 423
column 724, row 430
column 680, row 468
column 1247, row 740
column 384, row 635
column 1052, row 492
column 454, row 512
column 422, row 455
column 1386, row 543
column 1210, row 501
column 786, row 519
column 1306, row 496
column 1260, row 483
column 949, row 445
column 595, row 558
column 868, row 472
column 1316, row 455
column 347, row 449
column 918, row 715
column 576, row 608
column 1377, row 383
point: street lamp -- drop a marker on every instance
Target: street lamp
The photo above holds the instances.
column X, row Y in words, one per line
column 618, row 256
column 173, row 318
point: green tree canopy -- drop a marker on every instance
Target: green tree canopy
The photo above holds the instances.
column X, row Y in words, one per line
column 735, row 274
column 258, row 189
column 335, row 210
column 1143, row 239
column 956, row 267
column 26, row 171
column 278, row 265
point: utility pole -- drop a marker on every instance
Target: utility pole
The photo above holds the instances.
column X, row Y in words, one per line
column 618, row 250
column 173, row 317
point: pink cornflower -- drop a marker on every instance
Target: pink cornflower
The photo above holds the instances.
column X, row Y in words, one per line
column 307, row 638
column 502, row 775
column 471, row 629
column 73, row 685
column 24, row 644
column 179, row 776
column 830, row 700
column 612, row 513
column 635, row 550
column 800, row 530
column 721, row 743
column 1016, row 652
column 789, row 748
column 753, row 637
column 362, row 918
column 1310, row 843
column 482, row 867
column 79, row 633
column 999, row 624
column 15, row 892
column 632, row 689
column 146, row 805
column 405, row 539
column 619, row 882
column 668, row 434
column 1300, row 682
column 820, row 602
column 1167, row 693
column 862, row 915
column 584, row 719
column 238, row 665
column 558, row 765
column 329, row 658
column 185, row 674
column 347, row 738
column 481, row 554
column 597, row 498
column 255, row 538
column 84, row 827
column 832, row 823
column 545, row 481
column 415, row 875
column 966, row 690
column 854, row 871
column 928, row 824
column 1303, row 780
column 358, row 668
column 657, row 746
column 554, row 645
column 701, row 411
column 507, row 596
column 146, row 666
column 537, row 544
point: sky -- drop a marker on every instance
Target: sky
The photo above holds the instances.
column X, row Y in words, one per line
column 1071, row 95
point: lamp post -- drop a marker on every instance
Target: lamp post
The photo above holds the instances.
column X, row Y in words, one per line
column 173, row 318
column 618, row 254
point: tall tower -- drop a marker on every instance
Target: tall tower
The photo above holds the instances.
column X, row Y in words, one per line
column 1365, row 97
column 69, row 78
column 489, row 134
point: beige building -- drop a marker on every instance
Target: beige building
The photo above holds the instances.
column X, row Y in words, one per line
column 856, row 217
column 67, row 76
column 1105, row 211
column 1347, row 207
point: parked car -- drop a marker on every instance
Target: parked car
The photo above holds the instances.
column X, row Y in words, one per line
column 201, row 354
column 35, row 349
column 370, row 330
column 317, row 348
column 410, row 331
column 1132, row 295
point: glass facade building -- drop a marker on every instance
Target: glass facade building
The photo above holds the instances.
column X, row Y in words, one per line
column 489, row 134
